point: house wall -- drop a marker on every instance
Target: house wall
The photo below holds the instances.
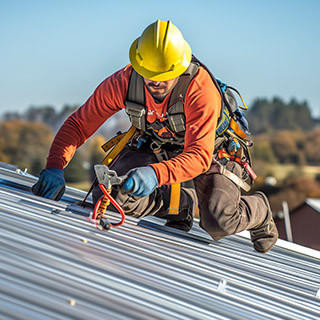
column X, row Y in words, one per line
column 305, row 224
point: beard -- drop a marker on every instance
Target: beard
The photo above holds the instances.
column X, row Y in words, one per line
column 158, row 92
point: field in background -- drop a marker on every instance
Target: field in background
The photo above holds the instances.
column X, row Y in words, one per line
column 282, row 171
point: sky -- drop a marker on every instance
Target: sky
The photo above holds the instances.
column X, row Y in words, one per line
column 57, row 52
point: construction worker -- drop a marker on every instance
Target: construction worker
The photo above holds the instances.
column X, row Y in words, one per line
column 175, row 105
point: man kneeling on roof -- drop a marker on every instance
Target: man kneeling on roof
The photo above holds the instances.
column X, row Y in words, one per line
column 174, row 155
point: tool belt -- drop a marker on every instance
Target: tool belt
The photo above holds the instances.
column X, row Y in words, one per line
column 219, row 165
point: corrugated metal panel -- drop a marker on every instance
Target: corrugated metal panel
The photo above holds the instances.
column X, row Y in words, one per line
column 54, row 264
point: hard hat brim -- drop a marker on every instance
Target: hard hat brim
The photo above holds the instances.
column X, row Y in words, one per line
column 160, row 76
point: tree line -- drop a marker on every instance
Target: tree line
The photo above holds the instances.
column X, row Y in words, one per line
column 283, row 133
column 267, row 116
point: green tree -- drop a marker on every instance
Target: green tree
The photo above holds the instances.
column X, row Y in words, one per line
column 267, row 116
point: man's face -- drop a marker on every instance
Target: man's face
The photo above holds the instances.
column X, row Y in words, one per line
column 159, row 89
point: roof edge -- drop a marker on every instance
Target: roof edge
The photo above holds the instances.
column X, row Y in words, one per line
column 289, row 246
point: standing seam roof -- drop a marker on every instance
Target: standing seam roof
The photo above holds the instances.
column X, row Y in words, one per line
column 54, row 264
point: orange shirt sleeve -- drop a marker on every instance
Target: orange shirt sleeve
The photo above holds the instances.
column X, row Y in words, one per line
column 106, row 100
column 202, row 109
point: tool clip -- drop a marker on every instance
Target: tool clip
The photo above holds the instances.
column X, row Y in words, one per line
column 108, row 177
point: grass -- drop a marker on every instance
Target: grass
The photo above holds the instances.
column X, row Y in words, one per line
column 282, row 171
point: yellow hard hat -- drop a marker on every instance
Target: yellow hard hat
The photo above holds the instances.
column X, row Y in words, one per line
column 161, row 53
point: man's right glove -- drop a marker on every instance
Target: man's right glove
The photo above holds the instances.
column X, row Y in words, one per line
column 141, row 181
column 51, row 184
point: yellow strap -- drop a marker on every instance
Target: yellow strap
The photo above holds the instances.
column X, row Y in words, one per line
column 175, row 198
column 113, row 153
column 245, row 107
column 234, row 126
column 109, row 144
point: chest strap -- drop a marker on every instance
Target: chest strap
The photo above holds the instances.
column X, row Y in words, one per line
column 137, row 110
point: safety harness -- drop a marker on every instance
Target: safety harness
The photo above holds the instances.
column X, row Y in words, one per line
column 232, row 134
column 175, row 117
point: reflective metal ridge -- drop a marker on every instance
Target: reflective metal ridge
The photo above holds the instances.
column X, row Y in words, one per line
column 54, row 264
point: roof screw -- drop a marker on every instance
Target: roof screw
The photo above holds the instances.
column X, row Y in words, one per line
column 222, row 285
column 84, row 240
column 72, row 303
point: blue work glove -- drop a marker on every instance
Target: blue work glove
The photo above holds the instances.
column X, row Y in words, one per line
column 51, row 184
column 141, row 181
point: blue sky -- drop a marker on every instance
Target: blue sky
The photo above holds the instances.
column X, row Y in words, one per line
column 57, row 52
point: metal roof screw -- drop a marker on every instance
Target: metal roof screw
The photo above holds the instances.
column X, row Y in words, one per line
column 318, row 294
column 72, row 303
column 84, row 240
column 222, row 285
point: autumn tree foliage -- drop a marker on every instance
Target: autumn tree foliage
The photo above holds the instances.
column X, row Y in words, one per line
column 25, row 144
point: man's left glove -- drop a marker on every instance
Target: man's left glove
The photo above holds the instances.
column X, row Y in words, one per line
column 51, row 184
column 141, row 181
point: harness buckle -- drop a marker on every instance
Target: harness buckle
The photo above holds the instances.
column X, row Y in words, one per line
column 160, row 154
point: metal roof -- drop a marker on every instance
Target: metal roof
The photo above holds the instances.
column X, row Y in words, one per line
column 54, row 264
column 313, row 203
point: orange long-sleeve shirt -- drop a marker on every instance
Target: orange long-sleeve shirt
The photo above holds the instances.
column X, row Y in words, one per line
column 202, row 109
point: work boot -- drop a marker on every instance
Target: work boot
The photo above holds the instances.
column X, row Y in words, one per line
column 185, row 224
column 265, row 235
column 183, row 220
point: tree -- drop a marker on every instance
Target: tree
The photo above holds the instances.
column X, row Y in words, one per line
column 24, row 143
column 262, row 149
column 284, row 147
column 266, row 116
column 44, row 114
column 312, row 147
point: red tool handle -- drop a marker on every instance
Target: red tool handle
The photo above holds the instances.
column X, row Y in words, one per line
column 250, row 170
column 114, row 202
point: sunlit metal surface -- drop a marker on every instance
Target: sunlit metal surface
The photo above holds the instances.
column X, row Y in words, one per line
column 54, row 264
column 314, row 203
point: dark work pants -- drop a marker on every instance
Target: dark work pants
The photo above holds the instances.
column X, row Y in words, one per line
column 223, row 211
column 158, row 202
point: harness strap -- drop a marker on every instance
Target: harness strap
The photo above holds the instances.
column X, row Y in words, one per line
column 175, row 189
column 110, row 143
column 235, row 127
column 176, row 115
column 175, row 198
column 219, row 168
column 118, row 142
column 137, row 111
column 113, row 153
column 136, row 88
column 135, row 101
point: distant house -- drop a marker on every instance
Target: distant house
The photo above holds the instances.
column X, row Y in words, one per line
column 305, row 224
